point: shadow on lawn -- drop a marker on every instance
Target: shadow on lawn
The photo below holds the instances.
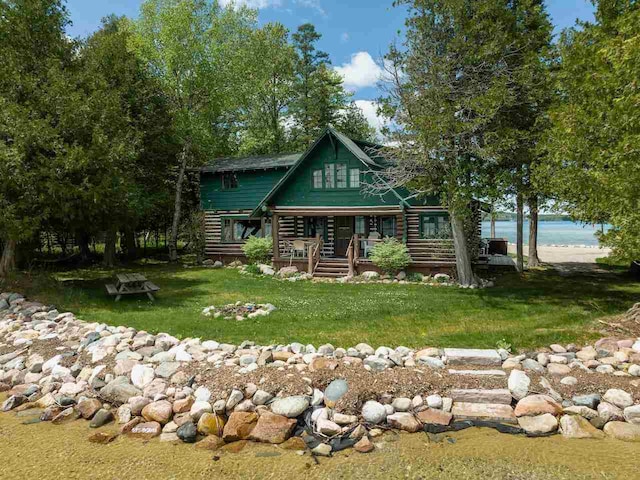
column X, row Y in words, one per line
column 608, row 293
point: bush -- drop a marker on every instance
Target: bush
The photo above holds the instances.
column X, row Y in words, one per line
column 390, row 256
column 252, row 268
column 258, row 250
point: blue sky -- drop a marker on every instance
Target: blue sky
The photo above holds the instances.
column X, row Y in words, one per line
column 355, row 33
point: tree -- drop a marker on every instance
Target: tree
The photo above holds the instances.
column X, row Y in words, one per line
column 196, row 50
column 450, row 84
column 35, row 54
column 354, row 124
column 269, row 88
column 594, row 144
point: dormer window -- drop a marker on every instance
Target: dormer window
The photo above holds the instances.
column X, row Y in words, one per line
column 229, row 181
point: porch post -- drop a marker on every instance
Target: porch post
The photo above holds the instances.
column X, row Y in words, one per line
column 405, row 227
column 275, row 233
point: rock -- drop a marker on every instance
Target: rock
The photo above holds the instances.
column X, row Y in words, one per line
column 569, row 381
column 211, row 424
column 518, row 384
column 632, row 414
column 472, row 395
column 574, row 426
column 183, row 405
column 610, row 413
column 591, row 400
column 434, row 401
column 137, row 404
column 210, row 443
column 146, row 430
column 374, row 412
column 67, row 415
column 530, row 365
column 495, row 412
column 142, row 375
column 167, row 369
column 585, row 412
column 261, row 397
column 537, row 405
column 12, row 402
column 102, row 438
column 187, row 432
column 376, row 364
column 198, row 408
column 88, row 407
column 626, row 432
column 471, row 356
column 558, row 369
column 322, row 450
column 435, row 417
column 239, row 426
column 342, row 419
column 335, row 391
column 634, row 370
column 101, row 418
column 290, row 407
column 160, row 412
column 124, row 414
column 294, row 443
column 285, row 272
column 618, row 397
column 119, row 391
column 272, row 428
column 404, row 421
column 430, row 362
column 370, row 275
column 327, row 427
column 364, row 445
column 401, row 404
column 169, row 437
column 235, row 397
column 539, row 424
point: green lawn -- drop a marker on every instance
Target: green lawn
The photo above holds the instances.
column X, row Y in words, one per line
column 538, row 309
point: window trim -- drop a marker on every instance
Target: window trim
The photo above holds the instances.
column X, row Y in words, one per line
column 313, row 183
column 335, row 188
column 424, row 215
column 350, row 170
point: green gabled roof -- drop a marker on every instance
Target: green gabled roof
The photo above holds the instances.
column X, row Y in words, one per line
column 256, row 162
column 350, row 144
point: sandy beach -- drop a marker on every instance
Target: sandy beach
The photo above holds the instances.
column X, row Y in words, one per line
column 566, row 254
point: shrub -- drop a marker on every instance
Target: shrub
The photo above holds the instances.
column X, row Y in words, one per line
column 258, row 250
column 252, row 268
column 390, row 256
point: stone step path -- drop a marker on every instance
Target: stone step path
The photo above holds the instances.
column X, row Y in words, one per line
column 478, row 373
column 478, row 395
column 496, row 412
column 473, row 356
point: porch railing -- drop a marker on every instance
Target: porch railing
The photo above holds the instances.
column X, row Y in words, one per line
column 351, row 256
column 314, row 254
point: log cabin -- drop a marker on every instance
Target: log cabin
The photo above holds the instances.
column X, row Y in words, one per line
column 316, row 209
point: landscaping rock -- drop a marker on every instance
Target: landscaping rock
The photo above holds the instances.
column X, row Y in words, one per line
column 239, row 426
column 575, row 426
column 101, row 418
column 435, row 417
column 537, row 405
column 290, row 406
column 519, row 384
column 119, row 391
column 632, row 414
column 146, row 430
column 211, row 424
column 483, row 411
column 618, row 397
column 374, row 412
column 501, row 395
column 187, row 432
column 88, row 407
column 272, row 428
column 591, row 400
column 364, row 445
column 471, row 356
column 404, row 421
column 626, row 432
column 160, row 412
column 539, row 424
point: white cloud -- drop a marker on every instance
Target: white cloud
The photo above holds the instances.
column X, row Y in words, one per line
column 370, row 111
column 361, row 71
column 313, row 4
column 257, row 4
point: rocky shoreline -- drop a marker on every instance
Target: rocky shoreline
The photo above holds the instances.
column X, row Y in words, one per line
column 58, row 368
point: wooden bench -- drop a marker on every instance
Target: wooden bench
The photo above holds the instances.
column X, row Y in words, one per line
column 131, row 284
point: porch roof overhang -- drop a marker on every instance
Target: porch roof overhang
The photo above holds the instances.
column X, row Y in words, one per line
column 303, row 211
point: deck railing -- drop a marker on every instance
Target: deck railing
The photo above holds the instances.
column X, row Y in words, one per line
column 315, row 251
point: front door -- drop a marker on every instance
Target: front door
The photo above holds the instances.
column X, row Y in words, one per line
column 344, row 232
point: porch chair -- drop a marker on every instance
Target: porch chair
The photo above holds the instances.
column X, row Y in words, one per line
column 369, row 243
column 297, row 246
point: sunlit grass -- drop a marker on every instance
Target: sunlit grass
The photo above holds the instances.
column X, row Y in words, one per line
column 537, row 309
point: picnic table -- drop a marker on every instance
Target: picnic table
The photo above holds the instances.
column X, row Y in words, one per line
column 131, row 284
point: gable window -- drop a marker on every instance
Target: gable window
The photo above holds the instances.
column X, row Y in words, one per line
column 354, row 178
column 329, row 175
column 341, row 175
column 435, row 225
column 317, row 179
column 229, row 181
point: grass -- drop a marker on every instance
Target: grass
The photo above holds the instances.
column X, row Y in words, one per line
column 536, row 309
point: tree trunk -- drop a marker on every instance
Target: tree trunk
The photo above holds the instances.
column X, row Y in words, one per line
column 130, row 243
column 534, row 260
column 466, row 276
column 519, row 234
column 173, row 242
column 83, row 239
column 8, row 259
column 110, row 248
column 493, row 222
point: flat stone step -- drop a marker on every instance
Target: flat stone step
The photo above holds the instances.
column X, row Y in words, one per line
column 478, row 395
column 484, row 411
column 478, row 373
column 472, row 356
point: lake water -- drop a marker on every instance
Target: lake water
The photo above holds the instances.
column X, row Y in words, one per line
column 549, row 233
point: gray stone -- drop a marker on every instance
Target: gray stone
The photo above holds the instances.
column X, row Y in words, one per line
column 529, row 364
column 632, row 414
column 119, row 391
column 335, row 391
column 583, row 411
column 618, row 397
column 374, row 412
column 610, row 413
column 187, row 432
column 478, row 373
column 590, row 400
column 102, row 417
column 261, row 397
column 401, row 404
column 539, row 424
column 431, row 362
column 167, row 369
column 290, row 407
column 472, row 356
column 502, row 396
column 483, row 411
column 575, row 426
column 518, row 384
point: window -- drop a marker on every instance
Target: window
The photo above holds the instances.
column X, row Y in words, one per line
column 238, row 229
column 317, row 179
column 341, row 175
column 314, row 226
column 229, row 181
column 387, row 226
column 354, row 178
column 361, row 226
column 435, row 225
column 329, row 175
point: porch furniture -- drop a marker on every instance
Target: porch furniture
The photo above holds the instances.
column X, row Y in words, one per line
column 369, row 243
column 297, row 247
column 131, row 284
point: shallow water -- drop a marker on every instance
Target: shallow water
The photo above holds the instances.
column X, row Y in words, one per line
column 549, row 233
column 44, row 451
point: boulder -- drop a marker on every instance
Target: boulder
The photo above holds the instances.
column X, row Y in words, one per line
column 632, row 414
column 610, row 413
column 88, row 407
column 160, row 412
column 537, row 405
column 618, row 397
column 239, row 426
column 272, row 428
column 102, row 417
column 404, row 421
column 290, row 407
column 142, row 375
column 146, row 430
column 539, row 424
column 434, row 417
column 187, row 432
column 497, row 412
column 627, row 432
column 575, row 426
column 374, row 412
column 518, row 384
column 211, row 424
column 119, row 391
